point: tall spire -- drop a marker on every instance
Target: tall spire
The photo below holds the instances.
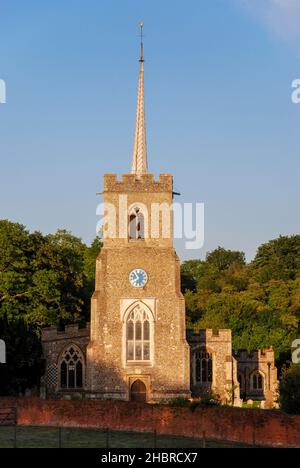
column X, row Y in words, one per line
column 139, row 160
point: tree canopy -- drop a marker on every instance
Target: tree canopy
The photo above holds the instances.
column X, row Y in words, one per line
column 49, row 280
column 259, row 301
column 44, row 280
column 289, row 390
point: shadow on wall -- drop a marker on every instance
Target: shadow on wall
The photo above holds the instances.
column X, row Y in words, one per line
column 73, row 380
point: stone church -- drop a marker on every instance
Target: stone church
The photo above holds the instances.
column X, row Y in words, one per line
column 136, row 346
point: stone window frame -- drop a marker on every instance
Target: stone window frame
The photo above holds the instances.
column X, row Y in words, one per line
column 257, row 373
column 129, row 310
column 61, row 360
column 144, row 212
column 204, row 349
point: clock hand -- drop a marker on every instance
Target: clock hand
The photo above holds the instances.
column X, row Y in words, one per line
column 141, row 277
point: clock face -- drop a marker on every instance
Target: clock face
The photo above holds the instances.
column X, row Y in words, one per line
column 138, row 278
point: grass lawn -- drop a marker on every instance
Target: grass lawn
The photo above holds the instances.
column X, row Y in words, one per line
column 49, row 437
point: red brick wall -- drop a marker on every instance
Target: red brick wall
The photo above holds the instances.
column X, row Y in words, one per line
column 246, row 426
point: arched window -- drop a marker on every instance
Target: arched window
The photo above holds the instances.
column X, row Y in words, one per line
column 138, row 333
column 203, row 368
column 257, row 381
column 71, row 368
column 136, row 226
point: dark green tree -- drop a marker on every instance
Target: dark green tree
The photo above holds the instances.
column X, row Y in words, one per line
column 25, row 364
column 90, row 256
column 222, row 259
column 289, row 390
column 278, row 259
column 16, row 269
column 44, row 280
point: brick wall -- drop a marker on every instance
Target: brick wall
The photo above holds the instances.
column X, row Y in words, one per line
column 246, row 426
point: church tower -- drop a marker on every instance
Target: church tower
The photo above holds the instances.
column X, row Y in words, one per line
column 137, row 348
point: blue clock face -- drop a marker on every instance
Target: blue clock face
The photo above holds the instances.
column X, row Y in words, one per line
column 138, row 278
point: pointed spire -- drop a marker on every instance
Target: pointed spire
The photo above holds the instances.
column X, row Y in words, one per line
column 139, row 161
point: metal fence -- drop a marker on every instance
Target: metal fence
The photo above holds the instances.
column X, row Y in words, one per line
column 14, row 436
column 8, row 418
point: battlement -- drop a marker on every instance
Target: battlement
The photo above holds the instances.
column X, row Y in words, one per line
column 256, row 355
column 143, row 183
column 208, row 335
column 70, row 331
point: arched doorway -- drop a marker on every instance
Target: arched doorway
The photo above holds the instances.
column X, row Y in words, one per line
column 138, row 392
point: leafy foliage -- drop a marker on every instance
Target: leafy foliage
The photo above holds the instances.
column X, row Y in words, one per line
column 24, row 358
column 260, row 301
column 289, row 390
column 222, row 259
column 44, row 280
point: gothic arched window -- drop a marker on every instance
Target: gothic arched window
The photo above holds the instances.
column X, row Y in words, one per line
column 257, row 381
column 203, row 367
column 136, row 226
column 72, row 368
column 138, row 333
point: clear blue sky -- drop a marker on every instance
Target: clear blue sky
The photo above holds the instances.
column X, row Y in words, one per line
column 219, row 111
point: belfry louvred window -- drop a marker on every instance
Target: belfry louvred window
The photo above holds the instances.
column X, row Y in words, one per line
column 71, row 368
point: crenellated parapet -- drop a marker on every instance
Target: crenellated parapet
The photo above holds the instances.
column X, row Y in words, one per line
column 255, row 356
column 209, row 335
column 142, row 183
column 69, row 332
